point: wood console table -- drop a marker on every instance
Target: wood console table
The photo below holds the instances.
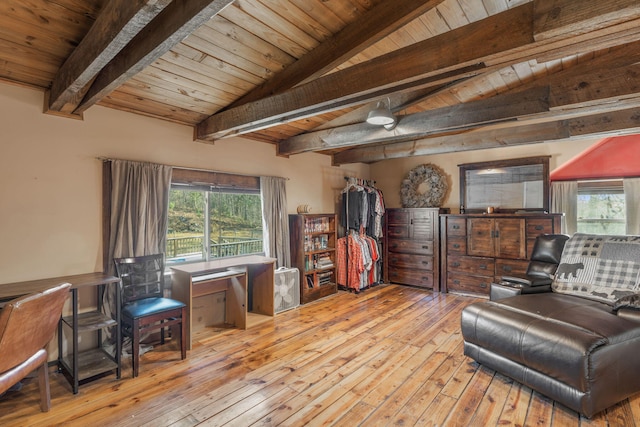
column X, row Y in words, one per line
column 246, row 280
column 79, row 367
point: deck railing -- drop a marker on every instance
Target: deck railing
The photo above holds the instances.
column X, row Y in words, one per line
column 602, row 226
column 230, row 246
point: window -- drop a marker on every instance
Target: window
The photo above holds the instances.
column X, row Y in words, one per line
column 601, row 207
column 213, row 217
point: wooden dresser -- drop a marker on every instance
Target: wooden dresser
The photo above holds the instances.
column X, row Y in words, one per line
column 478, row 249
column 412, row 247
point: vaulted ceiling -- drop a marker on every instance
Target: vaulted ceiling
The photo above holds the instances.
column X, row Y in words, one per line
column 303, row 74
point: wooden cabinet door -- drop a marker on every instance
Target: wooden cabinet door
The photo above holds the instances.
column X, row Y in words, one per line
column 496, row 237
column 510, row 240
column 421, row 224
column 480, row 241
column 398, row 223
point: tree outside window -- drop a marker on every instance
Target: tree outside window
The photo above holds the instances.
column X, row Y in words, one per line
column 210, row 223
column 601, row 207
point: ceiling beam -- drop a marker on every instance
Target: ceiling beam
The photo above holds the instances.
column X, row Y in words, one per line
column 590, row 84
column 379, row 76
column 377, row 23
column 468, row 115
column 613, row 123
column 500, row 40
column 176, row 21
column 560, row 18
column 118, row 22
column 397, row 102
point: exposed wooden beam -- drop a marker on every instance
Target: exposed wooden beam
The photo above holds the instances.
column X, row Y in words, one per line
column 179, row 19
column 379, row 76
column 379, row 22
column 559, row 18
column 587, row 85
column 595, row 88
column 115, row 26
column 606, row 124
column 500, row 40
column 397, row 102
column 572, row 93
column 468, row 115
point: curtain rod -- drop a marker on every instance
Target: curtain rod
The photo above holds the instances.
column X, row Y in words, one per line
column 109, row 159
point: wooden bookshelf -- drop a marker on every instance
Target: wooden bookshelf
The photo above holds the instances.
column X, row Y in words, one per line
column 313, row 253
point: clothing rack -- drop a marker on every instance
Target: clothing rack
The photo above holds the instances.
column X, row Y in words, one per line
column 360, row 181
column 356, row 231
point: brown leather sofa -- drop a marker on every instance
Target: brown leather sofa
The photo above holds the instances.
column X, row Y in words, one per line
column 577, row 344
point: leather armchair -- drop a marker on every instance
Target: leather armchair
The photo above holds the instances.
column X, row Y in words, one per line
column 544, row 261
column 27, row 324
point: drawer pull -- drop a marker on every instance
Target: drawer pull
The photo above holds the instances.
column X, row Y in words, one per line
column 456, row 281
column 539, row 227
column 394, row 246
column 425, row 262
column 483, row 285
column 455, row 264
column 455, row 227
column 482, row 267
column 507, row 268
column 394, row 274
column 456, row 245
column 425, row 279
column 394, row 260
column 425, row 247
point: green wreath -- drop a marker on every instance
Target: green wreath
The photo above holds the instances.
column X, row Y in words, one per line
column 424, row 187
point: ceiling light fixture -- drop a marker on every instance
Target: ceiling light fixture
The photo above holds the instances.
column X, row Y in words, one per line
column 381, row 116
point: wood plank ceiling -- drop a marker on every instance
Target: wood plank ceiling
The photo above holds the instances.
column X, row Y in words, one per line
column 303, row 74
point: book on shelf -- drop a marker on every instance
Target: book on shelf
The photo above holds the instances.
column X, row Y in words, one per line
column 310, row 282
column 322, row 260
column 316, row 225
column 325, row 278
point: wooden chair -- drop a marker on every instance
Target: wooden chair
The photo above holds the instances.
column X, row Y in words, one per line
column 27, row 324
column 144, row 307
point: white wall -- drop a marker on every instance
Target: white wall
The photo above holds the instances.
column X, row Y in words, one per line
column 50, row 178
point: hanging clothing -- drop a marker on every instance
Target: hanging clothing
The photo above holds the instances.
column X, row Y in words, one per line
column 349, row 265
column 359, row 259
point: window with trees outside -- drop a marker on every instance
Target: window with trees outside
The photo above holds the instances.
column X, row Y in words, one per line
column 215, row 219
column 601, row 207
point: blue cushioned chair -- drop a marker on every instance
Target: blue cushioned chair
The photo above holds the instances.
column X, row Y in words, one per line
column 144, row 307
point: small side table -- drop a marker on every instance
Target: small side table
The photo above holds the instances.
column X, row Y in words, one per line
column 81, row 367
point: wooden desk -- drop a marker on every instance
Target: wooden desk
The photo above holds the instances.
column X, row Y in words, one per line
column 18, row 289
column 79, row 367
column 247, row 282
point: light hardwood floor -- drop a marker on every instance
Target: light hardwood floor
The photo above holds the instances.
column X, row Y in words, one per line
column 391, row 355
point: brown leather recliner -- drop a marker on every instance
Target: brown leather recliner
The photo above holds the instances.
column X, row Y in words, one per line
column 27, row 324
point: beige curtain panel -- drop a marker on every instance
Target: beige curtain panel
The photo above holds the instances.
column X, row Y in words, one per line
column 275, row 221
column 139, row 208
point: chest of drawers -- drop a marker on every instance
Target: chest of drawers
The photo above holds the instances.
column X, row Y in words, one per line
column 412, row 247
column 479, row 249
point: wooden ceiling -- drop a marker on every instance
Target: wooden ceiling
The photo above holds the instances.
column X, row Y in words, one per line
column 303, row 74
